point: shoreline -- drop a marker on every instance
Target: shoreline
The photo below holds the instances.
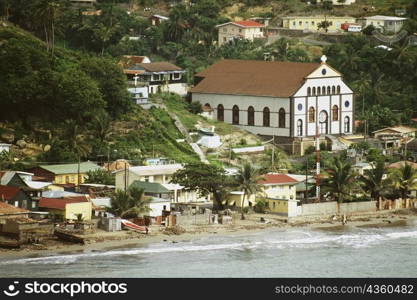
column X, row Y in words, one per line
column 382, row 220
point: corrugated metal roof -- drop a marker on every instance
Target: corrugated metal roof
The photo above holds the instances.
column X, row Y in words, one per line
column 151, row 187
column 71, row 168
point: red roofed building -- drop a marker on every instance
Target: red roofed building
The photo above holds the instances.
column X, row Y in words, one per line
column 17, row 197
column 240, row 30
column 67, row 208
column 277, row 185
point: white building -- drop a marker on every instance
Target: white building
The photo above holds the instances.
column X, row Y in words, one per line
column 339, row 2
column 5, row 147
column 387, row 23
column 291, row 101
column 239, row 30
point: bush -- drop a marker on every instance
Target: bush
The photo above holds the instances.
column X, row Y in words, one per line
column 261, row 206
column 195, row 107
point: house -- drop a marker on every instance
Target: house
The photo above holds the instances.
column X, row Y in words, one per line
column 4, row 148
column 338, row 2
column 67, row 208
column 386, row 23
column 157, row 206
column 157, row 20
column 160, row 175
column 278, row 186
column 310, row 23
column 17, row 197
column 118, row 164
column 287, row 100
column 361, row 167
column 26, row 230
column 394, row 137
column 65, row 173
column 146, row 78
column 239, row 30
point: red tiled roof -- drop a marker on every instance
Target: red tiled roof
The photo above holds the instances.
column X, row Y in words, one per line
column 254, row 78
column 59, row 203
column 248, row 24
column 8, row 192
column 277, row 179
column 6, row 209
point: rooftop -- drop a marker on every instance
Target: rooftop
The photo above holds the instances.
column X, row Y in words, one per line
column 8, row 192
column 71, row 168
column 248, row 23
column 277, row 179
column 151, row 187
column 7, row 209
column 154, row 169
column 253, row 77
column 385, row 18
column 60, row 203
column 399, row 129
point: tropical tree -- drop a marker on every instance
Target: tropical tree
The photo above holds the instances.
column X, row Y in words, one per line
column 373, row 180
column 340, row 181
column 100, row 176
column 130, row 203
column 324, row 25
column 206, row 179
column 403, row 180
column 247, row 181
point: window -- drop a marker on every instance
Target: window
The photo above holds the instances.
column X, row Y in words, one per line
column 314, row 91
column 300, row 127
column 335, row 113
column 318, row 91
column 311, row 115
column 323, row 90
column 333, row 90
column 312, row 22
column 338, row 89
column 146, row 178
column 347, row 124
column 240, row 30
column 273, row 205
column 251, row 116
column 16, row 203
column 235, row 117
column 293, row 23
column 220, row 113
column 266, row 117
column 328, row 90
column 308, row 91
column 224, row 39
column 281, row 118
column 176, row 76
column 300, row 23
column 33, row 204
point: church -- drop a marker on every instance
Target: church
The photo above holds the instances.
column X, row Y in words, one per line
column 292, row 102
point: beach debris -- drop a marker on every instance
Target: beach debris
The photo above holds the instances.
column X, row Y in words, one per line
column 175, row 230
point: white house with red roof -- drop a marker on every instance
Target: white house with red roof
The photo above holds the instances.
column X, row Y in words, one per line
column 240, row 30
column 278, row 185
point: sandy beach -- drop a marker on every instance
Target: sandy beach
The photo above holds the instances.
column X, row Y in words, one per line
column 110, row 241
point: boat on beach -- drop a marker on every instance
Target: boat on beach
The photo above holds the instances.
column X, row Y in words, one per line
column 134, row 227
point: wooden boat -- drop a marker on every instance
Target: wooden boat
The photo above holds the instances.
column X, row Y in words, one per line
column 132, row 226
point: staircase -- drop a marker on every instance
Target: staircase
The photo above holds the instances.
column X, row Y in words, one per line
column 336, row 144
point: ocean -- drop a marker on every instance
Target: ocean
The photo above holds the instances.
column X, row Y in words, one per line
column 294, row 252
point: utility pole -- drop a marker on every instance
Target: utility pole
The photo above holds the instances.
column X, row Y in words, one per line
column 125, row 176
column 317, row 164
column 306, row 191
column 273, row 150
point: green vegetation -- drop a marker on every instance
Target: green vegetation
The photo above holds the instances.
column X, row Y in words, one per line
column 100, row 176
column 130, row 203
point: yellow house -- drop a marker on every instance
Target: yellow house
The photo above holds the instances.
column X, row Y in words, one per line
column 65, row 173
column 310, row 23
column 68, row 208
column 284, row 207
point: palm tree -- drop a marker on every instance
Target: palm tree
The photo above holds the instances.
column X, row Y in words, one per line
column 46, row 12
column 403, row 180
column 130, row 203
column 373, row 181
column 247, row 181
column 340, row 181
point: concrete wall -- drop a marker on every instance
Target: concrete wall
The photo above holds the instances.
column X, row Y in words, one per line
column 331, row 208
column 324, row 208
column 356, row 207
column 198, row 219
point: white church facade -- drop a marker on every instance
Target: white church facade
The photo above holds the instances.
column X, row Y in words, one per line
column 290, row 101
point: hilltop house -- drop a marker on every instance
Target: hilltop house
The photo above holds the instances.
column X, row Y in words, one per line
column 395, row 137
column 239, row 30
column 386, row 23
column 338, row 2
column 160, row 174
column 5, row 147
column 291, row 101
column 65, row 173
column 146, row 78
column 310, row 23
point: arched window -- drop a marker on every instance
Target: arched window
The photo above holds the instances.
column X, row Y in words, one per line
column 251, row 116
column 281, row 118
column 266, row 122
column 220, row 113
column 235, row 118
column 318, row 91
column 300, row 127
column 333, row 90
column 314, row 91
column 347, row 124
column 311, row 115
column 338, row 89
column 328, row 90
column 309, row 91
column 335, row 113
column 323, row 90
